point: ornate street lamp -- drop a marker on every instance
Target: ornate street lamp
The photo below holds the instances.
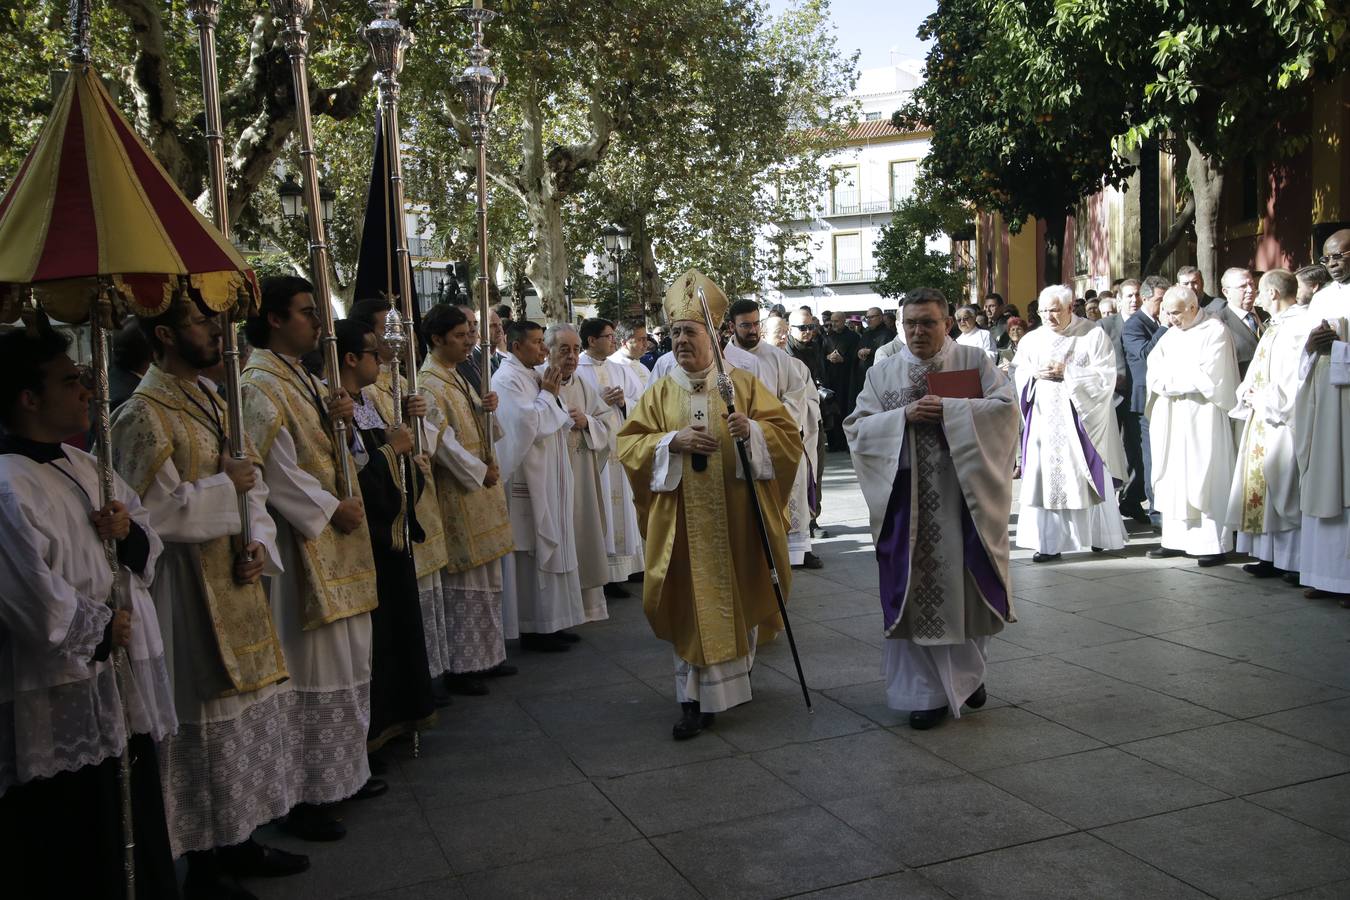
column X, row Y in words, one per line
column 617, row 241
column 292, row 197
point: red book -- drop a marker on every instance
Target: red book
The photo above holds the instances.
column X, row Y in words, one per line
column 960, row 384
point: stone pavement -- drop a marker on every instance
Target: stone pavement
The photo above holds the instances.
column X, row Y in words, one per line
column 1154, row 730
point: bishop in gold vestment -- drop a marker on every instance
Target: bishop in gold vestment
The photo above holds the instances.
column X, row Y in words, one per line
column 707, row 589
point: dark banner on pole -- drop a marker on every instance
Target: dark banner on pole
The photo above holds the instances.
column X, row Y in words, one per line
column 378, row 259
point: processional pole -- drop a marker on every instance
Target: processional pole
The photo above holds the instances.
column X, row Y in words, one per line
column 480, row 84
column 294, row 13
column 100, row 319
column 389, row 41
column 205, row 14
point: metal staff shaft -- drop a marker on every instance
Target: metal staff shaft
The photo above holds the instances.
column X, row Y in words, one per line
column 404, row 478
column 389, row 41
column 724, row 387
column 122, row 672
column 294, row 13
column 205, row 14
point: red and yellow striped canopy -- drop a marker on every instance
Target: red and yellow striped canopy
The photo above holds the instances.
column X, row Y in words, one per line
column 91, row 205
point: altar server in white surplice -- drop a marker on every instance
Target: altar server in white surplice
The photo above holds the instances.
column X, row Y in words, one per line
column 588, row 443
column 229, row 768
column 1072, row 455
column 1192, row 384
column 934, row 471
column 542, row 593
column 1323, row 433
column 62, row 723
column 619, row 387
column 1263, row 501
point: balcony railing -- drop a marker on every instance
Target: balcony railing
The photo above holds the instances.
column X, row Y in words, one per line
column 422, row 247
column 861, row 208
column 843, row 276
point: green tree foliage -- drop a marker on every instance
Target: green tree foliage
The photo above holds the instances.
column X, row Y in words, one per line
column 904, row 257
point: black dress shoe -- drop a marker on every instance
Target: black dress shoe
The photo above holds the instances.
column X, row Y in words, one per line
column 924, row 719
column 310, row 822
column 377, row 765
column 543, row 643
column 254, row 860
column 374, row 787
column 1213, row 559
column 1262, row 569
column 810, row 561
column 207, row 880
column 570, row 637
column 616, row 591
column 977, row 699
column 440, row 698
column 1136, row 514
column 467, row 684
column 692, row 721
column 1291, row 579
column 502, row 670
column 1164, row 553
column 1045, row 557
column 1098, row 549
column 635, row 578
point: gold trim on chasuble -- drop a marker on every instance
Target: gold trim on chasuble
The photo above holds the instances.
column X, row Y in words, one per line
column 339, row 576
column 477, row 526
column 159, row 423
column 429, row 555
column 1254, row 486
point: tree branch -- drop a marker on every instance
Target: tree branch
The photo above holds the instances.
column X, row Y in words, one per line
column 150, row 79
column 1172, row 239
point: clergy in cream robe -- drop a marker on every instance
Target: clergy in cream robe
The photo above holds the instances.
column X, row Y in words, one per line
column 1323, row 441
column 732, row 357
column 1072, row 454
column 228, row 769
column 623, row 540
column 1263, row 503
column 640, row 373
column 588, row 443
column 475, row 520
column 322, row 600
column 939, row 498
column 543, row 586
column 1192, row 384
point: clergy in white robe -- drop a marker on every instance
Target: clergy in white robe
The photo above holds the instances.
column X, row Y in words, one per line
column 62, row 709
column 707, row 589
column 971, row 334
column 321, row 601
column 543, row 586
column 934, row 472
column 631, row 337
column 1072, row 455
column 1263, row 504
column 732, row 357
column 474, row 516
column 588, row 443
column 1192, row 385
column 790, row 382
column 619, row 386
column 1323, row 433
column 228, row 769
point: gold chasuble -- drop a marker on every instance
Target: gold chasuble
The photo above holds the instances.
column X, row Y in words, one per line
column 339, row 576
column 707, row 583
column 476, row 523
column 170, row 418
column 429, row 555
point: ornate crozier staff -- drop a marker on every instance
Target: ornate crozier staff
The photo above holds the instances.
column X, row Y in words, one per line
column 205, row 14
column 389, row 41
column 728, row 392
column 294, row 13
column 480, row 85
column 395, row 338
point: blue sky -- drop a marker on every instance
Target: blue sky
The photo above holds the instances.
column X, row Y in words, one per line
column 875, row 27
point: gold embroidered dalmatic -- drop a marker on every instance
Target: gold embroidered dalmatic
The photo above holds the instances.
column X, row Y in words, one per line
column 429, row 555
column 707, row 582
column 169, row 418
column 476, row 523
column 339, row 576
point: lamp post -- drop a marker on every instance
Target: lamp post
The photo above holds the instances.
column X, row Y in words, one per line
column 617, row 240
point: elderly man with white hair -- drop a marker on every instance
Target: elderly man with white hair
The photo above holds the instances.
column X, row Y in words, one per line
column 1192, row 385
column 1237, row 308
column 1072, row 455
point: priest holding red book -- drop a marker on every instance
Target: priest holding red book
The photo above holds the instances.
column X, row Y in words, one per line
column 933, row 438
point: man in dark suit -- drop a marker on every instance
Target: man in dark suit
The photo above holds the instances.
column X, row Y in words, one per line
column 1138, row 337
column 1244, row 320
column 998, row 314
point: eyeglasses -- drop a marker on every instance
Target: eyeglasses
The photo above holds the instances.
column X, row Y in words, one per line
column 877, row 316
column 1330, row 256
column 926, row 324
column 804, row 328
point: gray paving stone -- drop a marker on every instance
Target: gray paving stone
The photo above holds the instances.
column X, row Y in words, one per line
column 993, row 738
column 480, row 773
column 762, row 724
column 1123, row 713
column 791, row 852
column 1051, row 631
column 439, row 889
column 946, row 819
column 1234, row 849
column 829, row 659
column 579, row 668
column 1252, row 638
column 698, row 795
column 1159, row 615
column 1243, row 690
column 1042, row 678
column 1099, row 787
column 1338, row 890
column 1325, row 804
column 871, row 762
column 627, row 870
column 1326, row 724
column 906, row 885
column 865, row 628
column 1240, row 758
column 1147, row 660
column 1326, row 665
column 1063, row 868
column 615, row 750
column 524, row 827
column 868, row 700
